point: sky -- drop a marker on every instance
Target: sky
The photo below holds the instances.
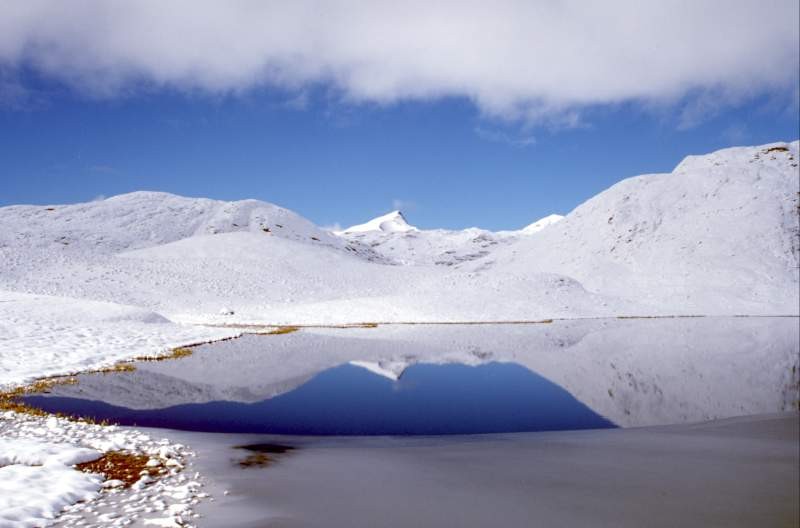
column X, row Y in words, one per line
column 488, row 114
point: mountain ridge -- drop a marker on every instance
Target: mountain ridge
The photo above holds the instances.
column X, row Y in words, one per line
column 718, row 235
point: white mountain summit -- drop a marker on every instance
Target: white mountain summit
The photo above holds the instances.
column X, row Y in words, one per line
column 393, row 222
column 542, row 223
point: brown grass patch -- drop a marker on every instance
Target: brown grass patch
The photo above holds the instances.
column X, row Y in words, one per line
column 776, row 149
column 118, row 465
column 119, row 367
column 9, row 400
column 175, row 353
column 283, row 330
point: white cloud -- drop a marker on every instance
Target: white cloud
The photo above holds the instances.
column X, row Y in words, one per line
column 515, row 59
column 498, row 136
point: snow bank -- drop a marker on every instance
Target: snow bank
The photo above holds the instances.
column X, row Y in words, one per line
column 52, row 493
column 35, row 495
column 34, row 453
column 36, row 482
column 43, row 335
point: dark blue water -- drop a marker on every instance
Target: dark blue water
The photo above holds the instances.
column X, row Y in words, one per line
column 349, row 400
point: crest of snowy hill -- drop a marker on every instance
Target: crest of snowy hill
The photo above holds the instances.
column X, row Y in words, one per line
column 144, row 219
column 717, row 235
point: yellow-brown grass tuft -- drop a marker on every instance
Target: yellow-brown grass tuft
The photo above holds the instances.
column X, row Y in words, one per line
column 283, row 330
column 118, row 465
column 175, row 353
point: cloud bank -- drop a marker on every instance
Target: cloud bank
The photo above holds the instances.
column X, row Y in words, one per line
column 525, row 59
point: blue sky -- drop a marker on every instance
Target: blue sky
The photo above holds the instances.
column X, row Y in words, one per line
column 343, row 151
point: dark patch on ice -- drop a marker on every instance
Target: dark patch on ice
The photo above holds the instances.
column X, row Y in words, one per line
column 267, row 448
column 261, row 455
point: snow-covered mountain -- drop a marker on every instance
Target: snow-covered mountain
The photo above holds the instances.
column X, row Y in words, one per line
column 394, row 239
column 393, row 222
column 719, row 235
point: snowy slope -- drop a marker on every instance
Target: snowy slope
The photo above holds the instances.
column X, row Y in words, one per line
column 718, row 235
column 439, row 247
column 43, row 335
column 274, row 280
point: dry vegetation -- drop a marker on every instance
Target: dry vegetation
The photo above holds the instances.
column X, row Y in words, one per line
column 123, row 366
column 776, row 149
column 118, row 465
column 283, row 330
column 10, row 399
column 175, row 353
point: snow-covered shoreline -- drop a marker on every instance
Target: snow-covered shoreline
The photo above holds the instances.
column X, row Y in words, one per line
column 40, row 488
column 46, row 336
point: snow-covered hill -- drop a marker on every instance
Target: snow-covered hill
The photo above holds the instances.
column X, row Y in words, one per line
column 144, row 219
column 718, row 235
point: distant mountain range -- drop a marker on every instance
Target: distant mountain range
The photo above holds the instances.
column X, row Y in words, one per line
column 718, row 235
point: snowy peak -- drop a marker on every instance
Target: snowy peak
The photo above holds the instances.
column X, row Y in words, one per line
column 542, row 223
column 393, row 222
